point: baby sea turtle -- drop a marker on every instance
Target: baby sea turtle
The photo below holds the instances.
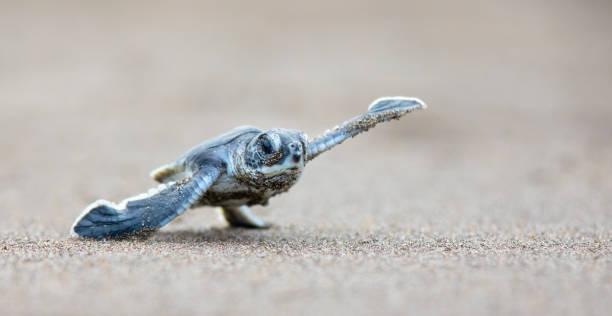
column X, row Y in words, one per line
column 246, row 166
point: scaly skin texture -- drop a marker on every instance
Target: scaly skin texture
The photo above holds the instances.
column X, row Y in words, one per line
column 252, row 186
column 246, row 180
column 381, row 110
column 277, row 183
column 246, row 166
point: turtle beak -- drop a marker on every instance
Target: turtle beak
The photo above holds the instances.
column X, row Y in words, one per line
column 297, row 151
column 297, row 157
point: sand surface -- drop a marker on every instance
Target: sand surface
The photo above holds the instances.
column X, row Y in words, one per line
column 496, row 200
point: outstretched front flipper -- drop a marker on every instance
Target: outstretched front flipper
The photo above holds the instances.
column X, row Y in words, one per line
column 381, row 110
column 145, row 212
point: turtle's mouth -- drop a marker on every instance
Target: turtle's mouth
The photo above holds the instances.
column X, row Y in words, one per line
column 296, row 157
column 287, row 165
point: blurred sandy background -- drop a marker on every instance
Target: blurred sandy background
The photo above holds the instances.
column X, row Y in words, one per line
column 494, row 200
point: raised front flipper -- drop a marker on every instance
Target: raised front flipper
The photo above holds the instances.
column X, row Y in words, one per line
column 144, row 212
column 381, row 110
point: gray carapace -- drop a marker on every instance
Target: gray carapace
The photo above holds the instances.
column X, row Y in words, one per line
column 244, row 167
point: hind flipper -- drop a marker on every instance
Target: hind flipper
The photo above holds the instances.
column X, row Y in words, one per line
column 242, row 217
column 144, row 212
column 173, row 171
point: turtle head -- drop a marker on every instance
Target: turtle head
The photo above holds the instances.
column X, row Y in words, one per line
column 276, row 151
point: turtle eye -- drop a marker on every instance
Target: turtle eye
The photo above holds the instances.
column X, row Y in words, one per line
column 266, row 145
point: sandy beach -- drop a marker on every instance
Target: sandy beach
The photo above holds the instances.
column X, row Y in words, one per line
column 495, row 200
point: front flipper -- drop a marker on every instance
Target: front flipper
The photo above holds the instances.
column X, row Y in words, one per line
column 381, row 110
column 144, row 212
column 242, row 217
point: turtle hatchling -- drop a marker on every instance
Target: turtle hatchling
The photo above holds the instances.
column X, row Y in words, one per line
column 243, row 167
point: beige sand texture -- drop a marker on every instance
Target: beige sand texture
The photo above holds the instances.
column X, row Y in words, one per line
column 494, row 201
